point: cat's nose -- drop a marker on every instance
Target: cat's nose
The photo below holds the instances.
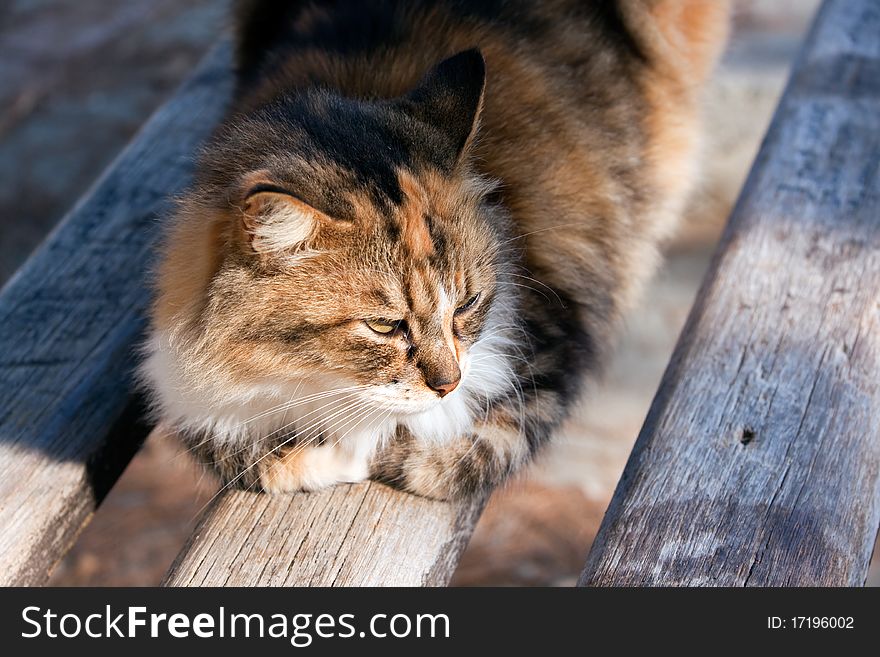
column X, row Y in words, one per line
column 443, row 385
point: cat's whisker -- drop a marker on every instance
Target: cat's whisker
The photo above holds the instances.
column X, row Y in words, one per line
column 361, row 414
column 499, row 330
column 350, row 398
column 304, row 443
column 542, row 284
column 285, row 406
column 301, row 400
column 352, row 411
column 351, row 407
column 542, row 230
column 282, row 428
column 363, row 417
column 527, row 287
column 346, row 415
column 246, row 470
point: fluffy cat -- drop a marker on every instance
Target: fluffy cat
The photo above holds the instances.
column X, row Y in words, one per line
column 415, row 234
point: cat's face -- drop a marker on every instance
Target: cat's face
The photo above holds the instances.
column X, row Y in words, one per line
column 392, row 299
column 355, row 250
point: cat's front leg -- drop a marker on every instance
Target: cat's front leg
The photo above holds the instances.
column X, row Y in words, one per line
column 312, row 468
column 467, row 466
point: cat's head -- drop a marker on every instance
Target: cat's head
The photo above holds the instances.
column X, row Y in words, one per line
column 340, row 242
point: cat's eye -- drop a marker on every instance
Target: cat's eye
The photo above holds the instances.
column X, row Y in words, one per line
column 262, row 188
column 384, row 326
column 467, row 305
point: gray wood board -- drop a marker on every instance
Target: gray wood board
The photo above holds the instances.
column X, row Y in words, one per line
column 758, row 462
column 349, row 535
column 70, row 322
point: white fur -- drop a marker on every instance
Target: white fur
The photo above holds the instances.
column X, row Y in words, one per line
column 354, row 422
column 285, row 228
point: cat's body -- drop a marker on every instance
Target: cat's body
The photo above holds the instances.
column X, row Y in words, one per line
column 498, row 231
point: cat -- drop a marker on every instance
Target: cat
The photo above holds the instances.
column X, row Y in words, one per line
column 412, row 240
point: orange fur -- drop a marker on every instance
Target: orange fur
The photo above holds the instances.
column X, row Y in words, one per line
column 415, row 230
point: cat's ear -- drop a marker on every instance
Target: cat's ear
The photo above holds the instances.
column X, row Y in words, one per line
column 275, row 222
column 449, row 98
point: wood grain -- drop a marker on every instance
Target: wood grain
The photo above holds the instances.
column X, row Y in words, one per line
column 70, row 320
column 351, row 535
column 759, row 461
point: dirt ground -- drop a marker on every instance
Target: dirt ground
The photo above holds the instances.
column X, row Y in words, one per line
column 76, row 81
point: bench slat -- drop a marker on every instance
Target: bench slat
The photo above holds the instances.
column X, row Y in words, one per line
column 69, row 322
column 350, row 535
column 759, row 461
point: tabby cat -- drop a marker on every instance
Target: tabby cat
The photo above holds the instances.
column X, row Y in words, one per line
column 414, row 236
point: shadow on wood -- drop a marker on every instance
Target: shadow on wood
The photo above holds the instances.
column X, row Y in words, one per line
column 70, row 322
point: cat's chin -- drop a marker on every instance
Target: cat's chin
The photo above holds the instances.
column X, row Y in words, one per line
column 401, row 407
column 412, row 411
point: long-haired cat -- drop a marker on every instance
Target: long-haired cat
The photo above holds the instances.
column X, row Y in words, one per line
column 415, row 234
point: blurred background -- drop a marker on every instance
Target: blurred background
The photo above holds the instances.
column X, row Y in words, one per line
column 77, row 79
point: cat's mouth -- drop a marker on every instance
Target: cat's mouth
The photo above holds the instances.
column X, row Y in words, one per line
column 412, row 402
column 409, row 407
column 409, row 401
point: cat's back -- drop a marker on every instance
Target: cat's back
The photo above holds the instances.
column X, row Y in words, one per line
column 572, row 69
column 590, row 117
column 381, row 48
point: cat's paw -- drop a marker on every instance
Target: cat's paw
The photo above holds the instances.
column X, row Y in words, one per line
column 312, row 469
column 468, row 467
column 423, row 479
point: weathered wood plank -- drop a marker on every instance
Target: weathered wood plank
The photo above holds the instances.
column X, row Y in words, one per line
column 70, row 319
column 352, row 535
column 759, row 462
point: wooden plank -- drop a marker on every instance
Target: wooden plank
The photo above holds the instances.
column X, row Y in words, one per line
column 351, row 535
column 759, row 461
column 70, row 320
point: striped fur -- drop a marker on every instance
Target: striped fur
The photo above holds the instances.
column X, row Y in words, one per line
column 490, row 179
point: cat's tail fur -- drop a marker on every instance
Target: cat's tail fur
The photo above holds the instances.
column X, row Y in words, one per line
column 684, row 37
